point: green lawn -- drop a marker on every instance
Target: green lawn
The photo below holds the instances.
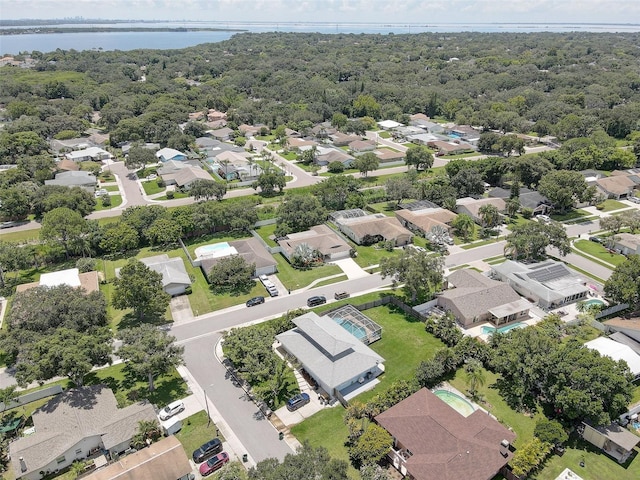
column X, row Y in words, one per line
column 572, row 215
column 340, row 278
column 517, row 220
column 610, row 205
column 116, row 200
column 265, row 232
column 598, row 251
column 384, row 134
column 325, row 429
column 521, row 424
column 388, row 208
column 597, row 465
column 22, row 236
column 152, row 187
column 111, row 188
column 197, row 430
column 371, row 255
column 293, row 279
column 481, row 243
column 176, row 195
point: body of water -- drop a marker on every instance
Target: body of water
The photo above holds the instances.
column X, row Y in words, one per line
column 13, row 44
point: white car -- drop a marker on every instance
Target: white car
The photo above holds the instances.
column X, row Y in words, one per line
column 544, row 218
column 101, row 192
column 170, row 410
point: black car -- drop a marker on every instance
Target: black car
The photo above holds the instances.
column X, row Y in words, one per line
column 298, row 401
column 208, row 450
column 596, row 239
column 315, row 301
column 255, row 301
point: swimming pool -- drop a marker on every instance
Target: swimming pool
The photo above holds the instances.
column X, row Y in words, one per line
column 490, row 330
column 222, row 249
column 594, row 301
column 356, row 330
column 462, row 406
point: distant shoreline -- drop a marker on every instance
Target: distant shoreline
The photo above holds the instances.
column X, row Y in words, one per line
column 49, row 30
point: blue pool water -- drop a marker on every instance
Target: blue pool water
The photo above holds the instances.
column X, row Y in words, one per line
column 355, row 330
column 214, row 247
column 461, row 405
column 490, row 330
column 594, row 301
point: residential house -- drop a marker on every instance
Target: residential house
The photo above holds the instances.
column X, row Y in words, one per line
column 97, row 138
column 251, row 249
column 175, row 279
column 67, row 165
column 617, row 186
column 70, row 144
column 630, row 328
column 538, row 203
column 424, row 122
column 476, row 298
column 449, row 147
column 215, row 125
column 300, row 144
column 75, row 425
column 550, row 284
column 613, row 439
column 386, row 155
column 472, row 206
column 325, row 156
column 291, row 133
column 213, row 115
column 212, row 147
column 330, row 354
column 323, row 130
column 163, row 460
column 421, row 217
column 184, row 177
column 75, row 178
column 366, row 229
column 249, row 130
column 195, row 116
column 321, row 238
column 340, row 139
column 362, row 146
column 223, row 134
column 166, row 154
column 71, row 277
column 618, row 351
column 95, row 154
column 626, row 243
column 403, row 133
column 149, row 146
column 389, row 124
column 433, row 441
column 424, row 138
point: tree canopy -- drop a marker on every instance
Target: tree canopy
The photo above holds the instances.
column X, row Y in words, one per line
column 420, row 272
column 140, row 288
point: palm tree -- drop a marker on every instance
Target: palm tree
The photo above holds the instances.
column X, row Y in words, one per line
column 77, row 469
column 251, row 162
column 475, row 376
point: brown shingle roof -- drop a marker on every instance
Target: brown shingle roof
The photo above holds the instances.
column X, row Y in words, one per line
column 320, row 237
column 165, row 459
column 618, row 184
column 444, row 444
column 426, row 219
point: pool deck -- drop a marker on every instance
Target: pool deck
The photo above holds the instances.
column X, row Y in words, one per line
column 449, row 388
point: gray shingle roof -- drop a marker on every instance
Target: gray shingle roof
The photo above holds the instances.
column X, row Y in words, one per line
column 171, row 269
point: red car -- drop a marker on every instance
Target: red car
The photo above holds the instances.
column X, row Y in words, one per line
column 213, row 464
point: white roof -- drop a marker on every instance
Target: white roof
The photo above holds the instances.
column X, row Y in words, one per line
column 87, row 152
column 169, row 153
column 69, row 277
column 389, row 124
column 617, row 351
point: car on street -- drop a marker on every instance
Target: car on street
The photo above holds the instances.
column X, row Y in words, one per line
column 213, row 464
column 298, row 401
column 315, row 301
column 8, row 224
column 341, row 295
column 207, row 450
column 596, row 239
column 170, row 410
column 252, row 302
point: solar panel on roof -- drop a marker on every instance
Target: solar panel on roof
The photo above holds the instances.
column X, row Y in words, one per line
column 549, row 273
column 419, row 205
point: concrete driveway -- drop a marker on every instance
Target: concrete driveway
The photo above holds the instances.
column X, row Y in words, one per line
column 181, row 309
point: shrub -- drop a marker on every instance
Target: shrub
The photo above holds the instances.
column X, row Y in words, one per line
column 336, row 167
column 170, row 195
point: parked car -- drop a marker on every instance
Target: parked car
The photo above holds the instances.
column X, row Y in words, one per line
column 170, row 410
column 315, row 301
column 252, row 302
column 298, row 401
column 99, row 193
column 596, row 239
column 273, row 291
column 213, row 464
column 634, row 199
column 207, row 450
column 341, row 295
column 544, row 218
column 8, row 224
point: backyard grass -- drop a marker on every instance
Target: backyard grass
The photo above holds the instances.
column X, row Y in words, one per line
column 516, row 221
column 597, row 465
column 521, row 424
column 325, row 429
column 197, row 430
column 116, row 200
column 151, row 187
column 598, row 251
column 265, row 232
column 388, row 208
column 610, row 205
column 293, row 279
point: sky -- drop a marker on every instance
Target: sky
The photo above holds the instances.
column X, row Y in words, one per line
column 339, row 11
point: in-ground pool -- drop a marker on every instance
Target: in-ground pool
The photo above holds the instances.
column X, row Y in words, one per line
column 490, row 330
column 462, row 406
column 594, row 301
column 356, row 330
column 221, row 249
